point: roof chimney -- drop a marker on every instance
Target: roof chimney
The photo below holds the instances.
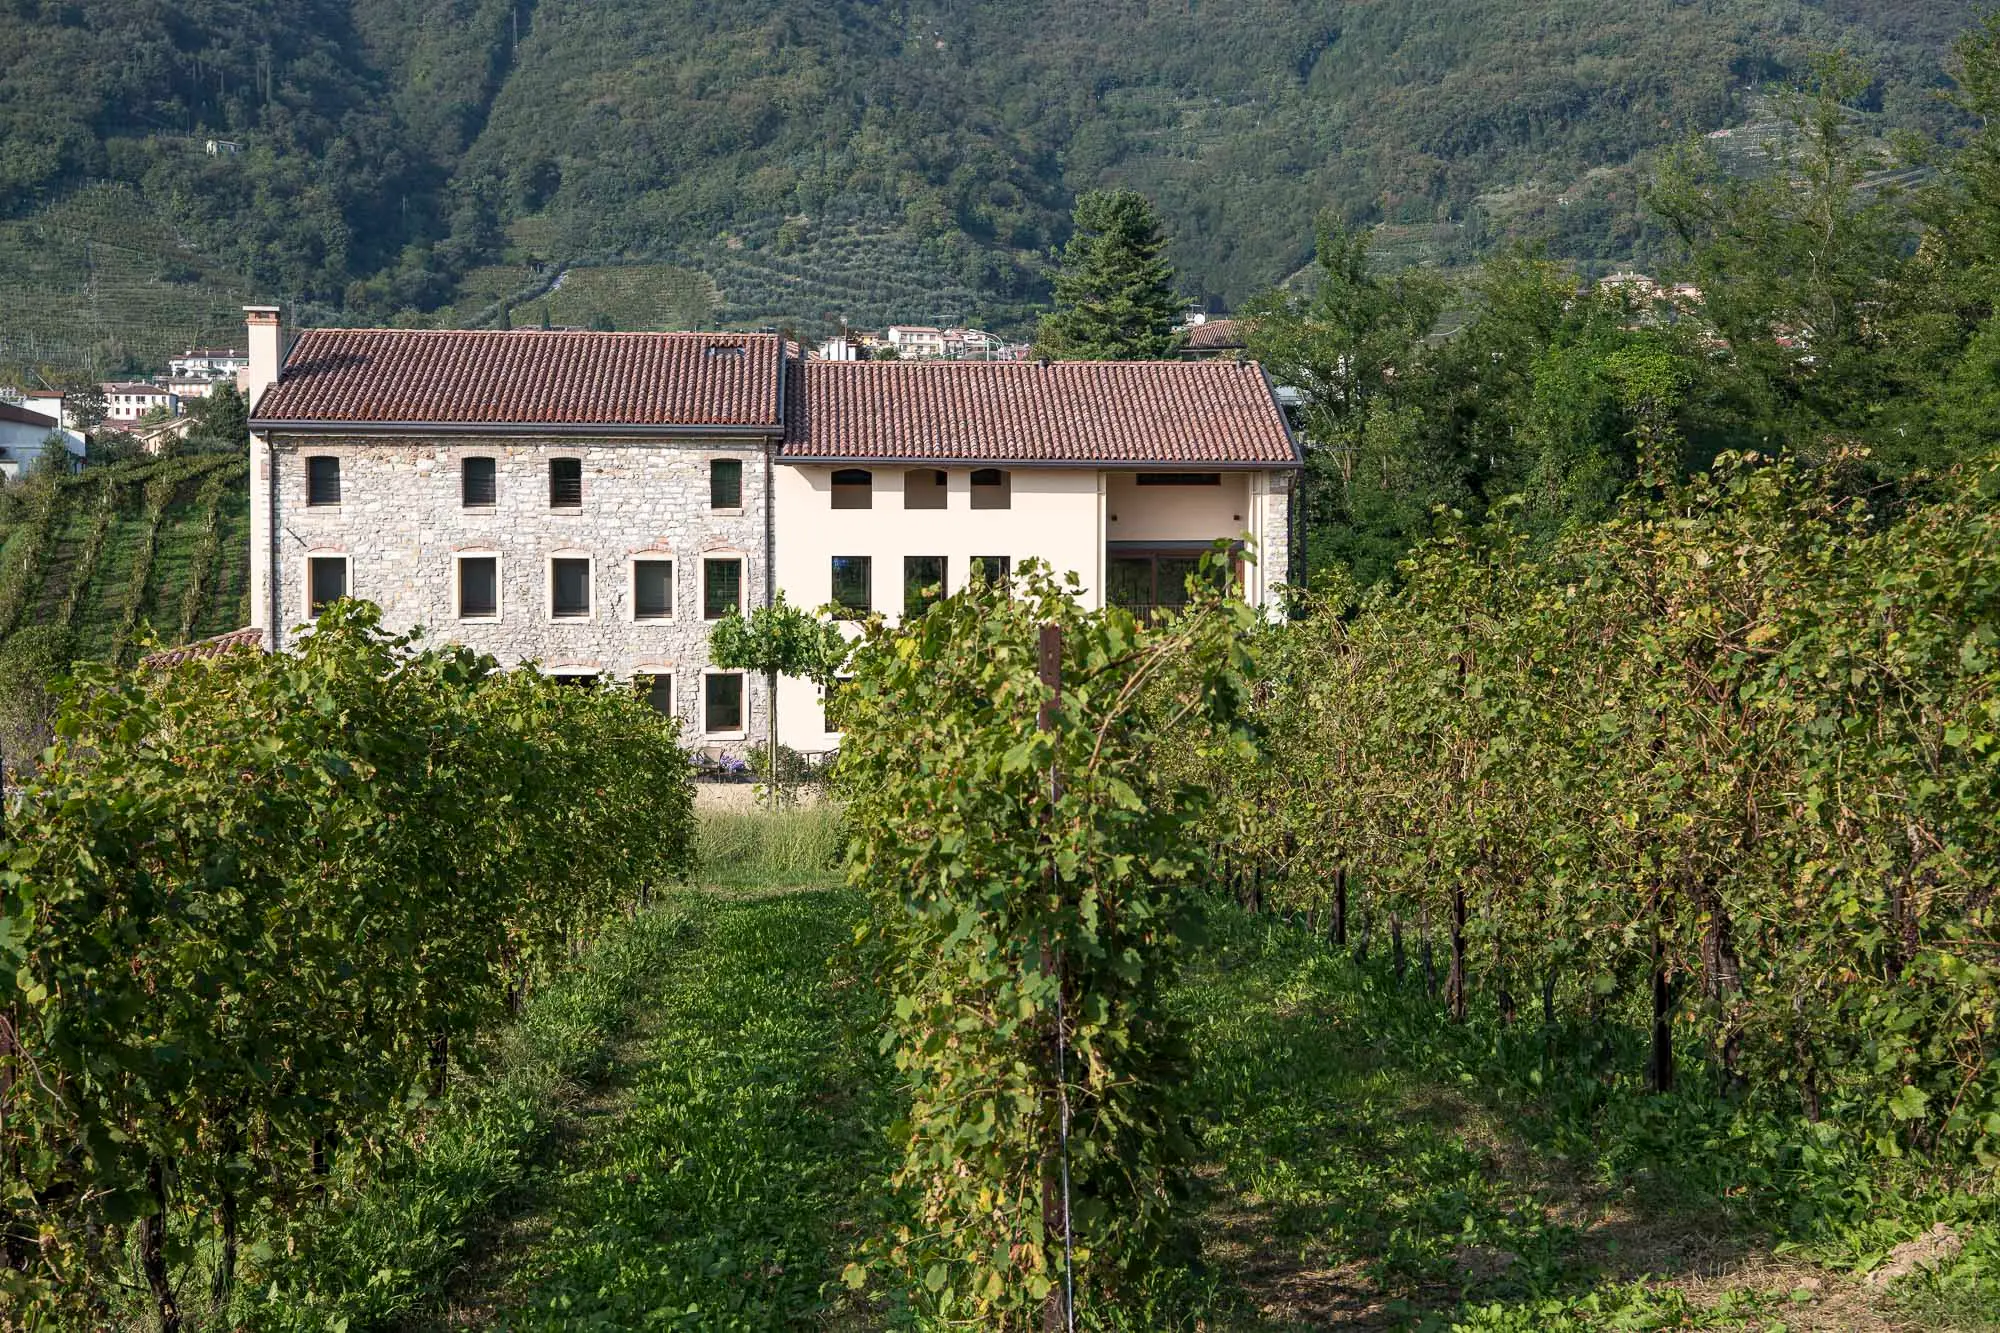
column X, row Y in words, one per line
column 267, row 349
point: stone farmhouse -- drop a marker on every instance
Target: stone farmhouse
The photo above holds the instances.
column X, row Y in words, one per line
column 594, row 502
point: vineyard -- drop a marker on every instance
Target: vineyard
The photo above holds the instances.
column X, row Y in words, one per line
column 117, row 554
column 1590, row 935
column 332, row 873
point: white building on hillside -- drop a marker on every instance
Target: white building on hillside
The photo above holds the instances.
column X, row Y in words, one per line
column 207, row 363
column 126, row 402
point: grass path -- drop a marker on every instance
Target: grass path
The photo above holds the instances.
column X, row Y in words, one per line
column 717, row 1179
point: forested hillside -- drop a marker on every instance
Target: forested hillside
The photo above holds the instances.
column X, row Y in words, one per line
column 789, row 162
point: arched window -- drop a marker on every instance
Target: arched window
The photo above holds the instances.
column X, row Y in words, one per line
column 991, row 489
column 853, row 488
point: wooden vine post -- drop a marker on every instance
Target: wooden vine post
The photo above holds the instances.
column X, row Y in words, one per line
column 1059, row 1310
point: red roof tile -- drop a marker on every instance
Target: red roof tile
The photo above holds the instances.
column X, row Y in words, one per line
column 1215, row 335
column 205, row 648
column 527, row 377
column 1138, row 412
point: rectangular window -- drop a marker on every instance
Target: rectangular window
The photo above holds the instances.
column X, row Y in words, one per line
column 478, row 586
column 652, row 589
column 323, row 481
column 723, row 702
column 924, row 488
column 658, row 692
column 829, row 712
column 993, row 568
column 721, row 588
column 1180, row 478
column 725, row 483
column 569, row 588
column 326, row 579
column 992, row 488
column 853, row 576
column 565, row 483
column 479, row 485
column 923, row 584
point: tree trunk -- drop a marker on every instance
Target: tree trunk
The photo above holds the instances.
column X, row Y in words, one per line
column 1425, row 952
column 1340, row 907
column 153, row 1251
column 771, row 732
column 1660, row 1065
column 1454, row 986
column 1396, row 945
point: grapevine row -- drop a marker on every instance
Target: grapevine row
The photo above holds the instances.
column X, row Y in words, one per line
column 1724, row 767
column 251, row 906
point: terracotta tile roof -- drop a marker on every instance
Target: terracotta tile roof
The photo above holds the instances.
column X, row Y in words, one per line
column 1137, row 412
column 205, row 648
column 528, row 377
column 1217, row 335
column 21, row 416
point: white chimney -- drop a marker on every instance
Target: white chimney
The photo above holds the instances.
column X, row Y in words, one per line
column 267, row 349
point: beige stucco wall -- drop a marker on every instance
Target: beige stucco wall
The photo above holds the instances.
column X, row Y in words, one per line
column 1059, row 515
column 1056, row 514
column 1138, row 513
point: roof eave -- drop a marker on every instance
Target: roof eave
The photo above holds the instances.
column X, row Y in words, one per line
column 626, row 430
column 1100, row 464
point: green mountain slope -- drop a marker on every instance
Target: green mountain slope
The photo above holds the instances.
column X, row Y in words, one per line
column 814, row 160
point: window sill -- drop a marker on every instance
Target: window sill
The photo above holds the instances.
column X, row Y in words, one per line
column 737, row 512
column 312, row 508
column 571, row 620
column 727, row 735
column 479, row 509
column 477, row 620
column 651, row 620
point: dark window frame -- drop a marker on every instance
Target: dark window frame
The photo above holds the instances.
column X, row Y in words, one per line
column 709, row 562
column 488, row 485
column 992, row 488
column 458, row 586
column 322, row 490
column 709, row 682
column 565, row 492
column 638, row 611
column 717, row 488
column 915, row 603
column 556, row 611
column 857, row 491
column 845, row 609
column 315, row 604
column 941, row 488
column 1180, row 478
column 648, row 684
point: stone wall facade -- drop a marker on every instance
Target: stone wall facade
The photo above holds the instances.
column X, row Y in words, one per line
column 401, row 525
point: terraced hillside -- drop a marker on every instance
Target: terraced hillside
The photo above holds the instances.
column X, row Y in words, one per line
column 120, row 555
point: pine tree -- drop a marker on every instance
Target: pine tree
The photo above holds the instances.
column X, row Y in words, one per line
column 1115, row 295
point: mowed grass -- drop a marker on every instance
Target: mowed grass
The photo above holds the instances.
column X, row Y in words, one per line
column 1369, row 1164
column 722, row 1183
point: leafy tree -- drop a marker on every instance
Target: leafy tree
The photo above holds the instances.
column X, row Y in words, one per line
column 1115, row 296
column 223, row 417
column 55, row 457
column 87, row 408
column 1802, row 269
column 778, row 640
column 1354, row 344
